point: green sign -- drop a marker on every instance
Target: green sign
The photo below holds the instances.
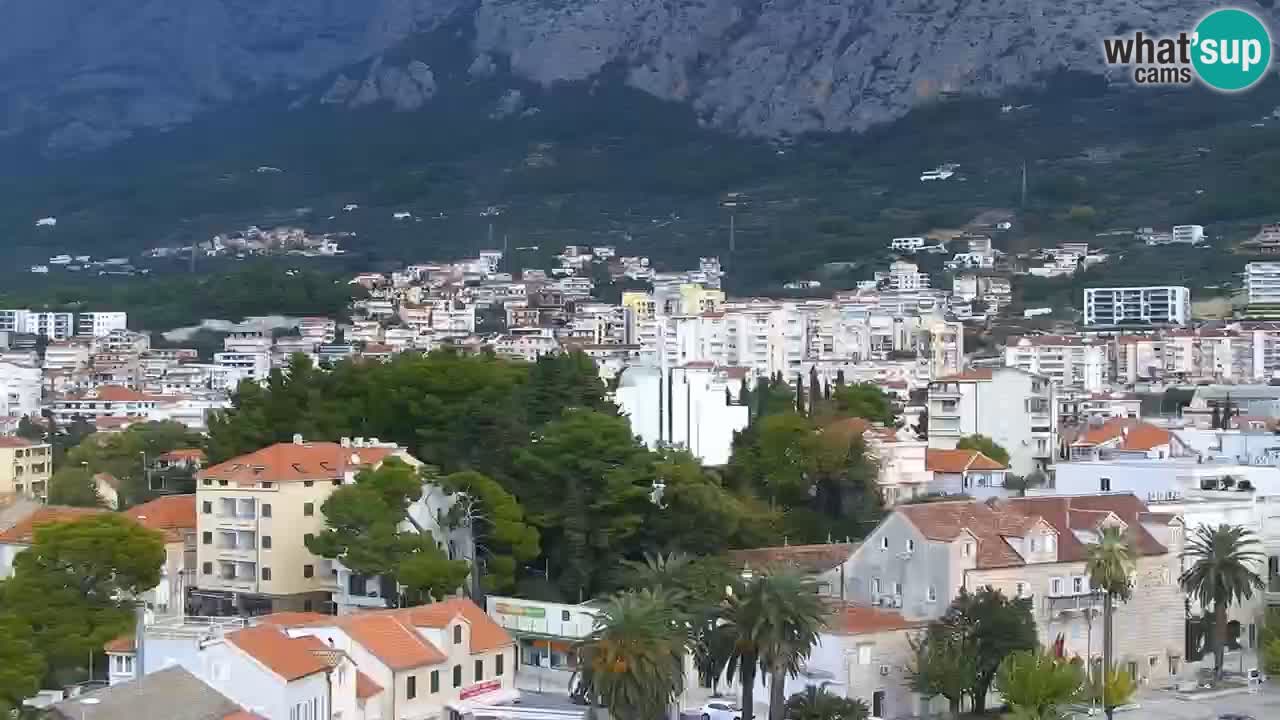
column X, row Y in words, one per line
column 521, row 610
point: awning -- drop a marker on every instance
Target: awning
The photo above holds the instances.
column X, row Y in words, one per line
column 495, row 700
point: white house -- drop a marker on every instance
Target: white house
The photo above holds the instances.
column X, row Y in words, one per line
column 1013, row 407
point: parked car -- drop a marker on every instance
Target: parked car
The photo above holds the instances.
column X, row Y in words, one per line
column 720, row 710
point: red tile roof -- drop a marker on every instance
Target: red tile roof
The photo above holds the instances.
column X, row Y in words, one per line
column 486, row 633
column 243, row 715
column 365, row 686
column 290, row 658
column 945, row 521
column 811, row 559
column 173, row 515
column 860, row 619
column 968, row 376
column 289, row 619
column 123, row 644
column 397, row 645
column 113, row 393
column 184, row 454
column 293, row 462
column 959, row 461
column 23, row 531
column 13, row 441
column 1126, row 434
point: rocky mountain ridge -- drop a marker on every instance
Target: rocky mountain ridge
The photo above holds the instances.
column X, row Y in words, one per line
column 86, row 73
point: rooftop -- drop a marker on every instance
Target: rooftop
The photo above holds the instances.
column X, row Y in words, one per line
column 297, row 461
column 959, row 461
column 23, row 531
column 290, row 658
column 181, row 695
column 170, row 514
column 810, row 559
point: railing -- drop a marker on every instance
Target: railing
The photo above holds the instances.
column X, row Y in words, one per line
column 1064, row 603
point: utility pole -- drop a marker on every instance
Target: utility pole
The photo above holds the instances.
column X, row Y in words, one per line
column 733, row 235
column 1024, row 183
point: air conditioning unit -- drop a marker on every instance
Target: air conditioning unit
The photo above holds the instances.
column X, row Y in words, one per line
column 884, row 669
column 897, row 601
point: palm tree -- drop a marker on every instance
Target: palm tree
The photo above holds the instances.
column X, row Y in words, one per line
column 770, row 624
column 633, row 661
column 1038, row 685
column 1111, row 563
column 818, row 704
column 1222, row 573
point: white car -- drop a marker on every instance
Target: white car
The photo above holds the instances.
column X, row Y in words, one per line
column 720, row 710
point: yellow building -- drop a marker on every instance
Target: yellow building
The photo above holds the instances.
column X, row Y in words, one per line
column 254, row 513
column 25, row 467
column 640, row 304
column 696, row 299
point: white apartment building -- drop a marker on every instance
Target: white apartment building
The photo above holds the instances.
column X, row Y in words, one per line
column 688, row 407
column 318, row 329
column 1188, row 234
column 1156, row 305
column 903, row 275
column 1069, row 360
column 1013, row 407
column 20, row 389
column 252, row 366
column 98, row 324
column 906, row 244
column 1261, row 279
column 52, row 325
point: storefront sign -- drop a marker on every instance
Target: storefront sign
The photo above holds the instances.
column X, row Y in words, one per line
column 521, row 610
column 479, row 689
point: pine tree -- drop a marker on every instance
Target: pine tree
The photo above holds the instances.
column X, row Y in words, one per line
column 815, row 389
column 826, row 390
column 1215, row 419
column 728, row 396
column 840, row 378
column 744, row 394
column 799, row 394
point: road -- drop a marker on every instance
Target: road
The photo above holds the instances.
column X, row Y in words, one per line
column 1162, row 705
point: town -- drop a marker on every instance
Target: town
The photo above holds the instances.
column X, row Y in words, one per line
column 499, row 492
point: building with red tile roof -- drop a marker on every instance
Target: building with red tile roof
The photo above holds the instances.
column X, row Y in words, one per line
column 1127, row 437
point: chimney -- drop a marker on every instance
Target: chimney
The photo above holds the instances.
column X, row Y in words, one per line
column 297, row 438
column 345, row 442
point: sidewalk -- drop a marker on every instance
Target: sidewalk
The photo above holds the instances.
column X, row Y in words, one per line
column 548, row 681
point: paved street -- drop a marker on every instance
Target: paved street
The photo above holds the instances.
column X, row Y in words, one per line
column 1162, row 705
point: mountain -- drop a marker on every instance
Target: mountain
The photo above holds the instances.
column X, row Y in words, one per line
column 88, row 73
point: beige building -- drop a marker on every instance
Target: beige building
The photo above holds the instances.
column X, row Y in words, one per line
column 174, row 516
column 920, row 557
column 254, row 513
column 25, row 467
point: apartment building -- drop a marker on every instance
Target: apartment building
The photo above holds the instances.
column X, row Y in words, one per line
column 920, row 557
column 52, row 325
column 109, row 401
column 1163, row 305
column 903, row 275
column 238, row 367
column 693, row 406
column 1071, row 361
column 256, row 511
column 21, row 386
column 98, row 324
column 25, row 467
column 1262, row 281
column 1013, row 407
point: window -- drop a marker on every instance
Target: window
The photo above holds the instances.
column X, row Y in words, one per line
column 884, row 543
column 222, row 483
column 1049, row 542
column 308, row 571
column 457, row 634
column 206, row 538
column 457, row 676
column 207, row 507
column 911, row 545
column 266, row 509
column 411, row 688
column 875, row 586
column 307, row 538
column 1104, row 484
column 864, row 654
column 266, row 542
column 308, row 483
column 497, row 664
column 479, row 670
column 207, row 568
column 564, row 615
column 267, row 485
column 207, row 481
column 932, row 595
column 435, row 681
column 1055, row 587
column 967, row 551
column 1019, row 589
column 266, row 573
column 308, row 509
column 1077, row 585
column 1034, row 545
column 897, row 588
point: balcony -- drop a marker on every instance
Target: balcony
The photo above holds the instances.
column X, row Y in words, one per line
column 1073, row 603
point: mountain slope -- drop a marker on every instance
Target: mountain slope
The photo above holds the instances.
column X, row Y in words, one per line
column 87, row 73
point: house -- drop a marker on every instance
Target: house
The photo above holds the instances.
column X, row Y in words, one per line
column 965, row 472
column 256, row 511
column 903, row 472
column 107, row 401
column 921, row 556
column 174, row 692
column 25, row 466
column 173, row 516
column 1013, row 407
column 1126, row 437
column 823, row 564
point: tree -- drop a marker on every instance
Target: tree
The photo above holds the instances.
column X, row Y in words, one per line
column 1222, row 573
column 428, row 575
column 633, row 661
column 73, row 486
column 1022, row 483
column 1215, row 417
column 984, row 445
column 817, row 704
column 744, row 396
column 800, row 395
column 1110, row 563
column 1037, row 685
column 772, row 621
column 1113, row 689
column 826, row 390
column 866, row 401
column 498, row 525
column 840, row 377
column 942, row 664
column 21, row 664
column 363, row 529
column 815, row 389
column 30, row 430
column 586, row 483
column 564, row 380
column 74, row 587
column 121, row 455
column 996, row 627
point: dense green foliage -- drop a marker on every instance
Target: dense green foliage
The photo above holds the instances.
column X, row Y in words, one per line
column 498, row 526
column 815, row 703
column 1037, row 685
column 1111, row 563
column 961, row 652
column 986, row 446
column 73, row 486
column 866, row 401
column 121, row 455
column 21, row 664
column 73, row 589
column 1223, row 572
column 363, row 529
column 633, row 661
